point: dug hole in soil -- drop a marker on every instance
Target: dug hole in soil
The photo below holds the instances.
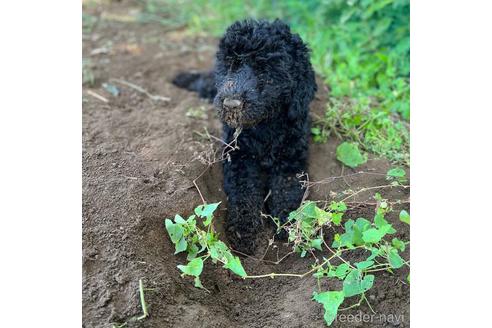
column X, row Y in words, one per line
column 140, row 156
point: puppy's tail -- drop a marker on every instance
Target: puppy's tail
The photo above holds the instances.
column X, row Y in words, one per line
column 202, row 82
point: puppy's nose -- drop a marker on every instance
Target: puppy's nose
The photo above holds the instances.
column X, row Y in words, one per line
column 232, row 103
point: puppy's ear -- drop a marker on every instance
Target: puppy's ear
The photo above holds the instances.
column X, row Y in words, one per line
column 304, row 85
column 303, row 95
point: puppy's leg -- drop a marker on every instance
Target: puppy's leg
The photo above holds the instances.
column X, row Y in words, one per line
column 286, row 196
column 286, row 189
column 245, row 191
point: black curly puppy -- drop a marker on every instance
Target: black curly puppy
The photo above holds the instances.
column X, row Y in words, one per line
column 262, row 83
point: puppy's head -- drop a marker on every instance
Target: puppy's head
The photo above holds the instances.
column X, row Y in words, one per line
column 262, row 70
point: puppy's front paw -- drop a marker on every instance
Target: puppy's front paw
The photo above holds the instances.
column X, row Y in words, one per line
column 244, row 243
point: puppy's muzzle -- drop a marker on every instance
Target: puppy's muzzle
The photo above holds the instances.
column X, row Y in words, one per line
column 232, row 111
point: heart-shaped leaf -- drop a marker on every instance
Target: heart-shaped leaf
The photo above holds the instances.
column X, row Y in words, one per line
column 404, row 217
column 354, row 284
column 181, row 245
column 350, row 155
column 234, row 264
column 395, row 259
column 193, row 268
column 206, row 211
column 396, row 173
column 331, row 300
column 174, row 230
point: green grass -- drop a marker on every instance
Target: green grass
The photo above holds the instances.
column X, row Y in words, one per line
column 361, row 48
column 380, row 132
column 166, row 12
column 88, row 22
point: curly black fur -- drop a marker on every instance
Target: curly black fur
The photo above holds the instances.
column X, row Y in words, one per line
column 263, row 83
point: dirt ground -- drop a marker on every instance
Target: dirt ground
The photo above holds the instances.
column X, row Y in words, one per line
column 139, row 161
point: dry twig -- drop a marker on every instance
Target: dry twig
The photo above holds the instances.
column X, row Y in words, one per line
column 141, row 90
column 209, row 157
column 97, row 96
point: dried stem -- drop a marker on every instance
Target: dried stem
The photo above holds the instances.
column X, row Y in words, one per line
column 231, row 146
column 372, row 188
column 141, row 90
column 298, row 275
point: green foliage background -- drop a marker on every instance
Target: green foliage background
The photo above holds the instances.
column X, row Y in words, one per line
column 361, row 48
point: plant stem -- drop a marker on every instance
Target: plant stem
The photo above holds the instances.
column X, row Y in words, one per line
column 353, row 305
column 142, row 301
column 273, row 275
column 368, row 304
column 333, row 252
column 371, row 188
column 380, row 269
column 298, row 275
